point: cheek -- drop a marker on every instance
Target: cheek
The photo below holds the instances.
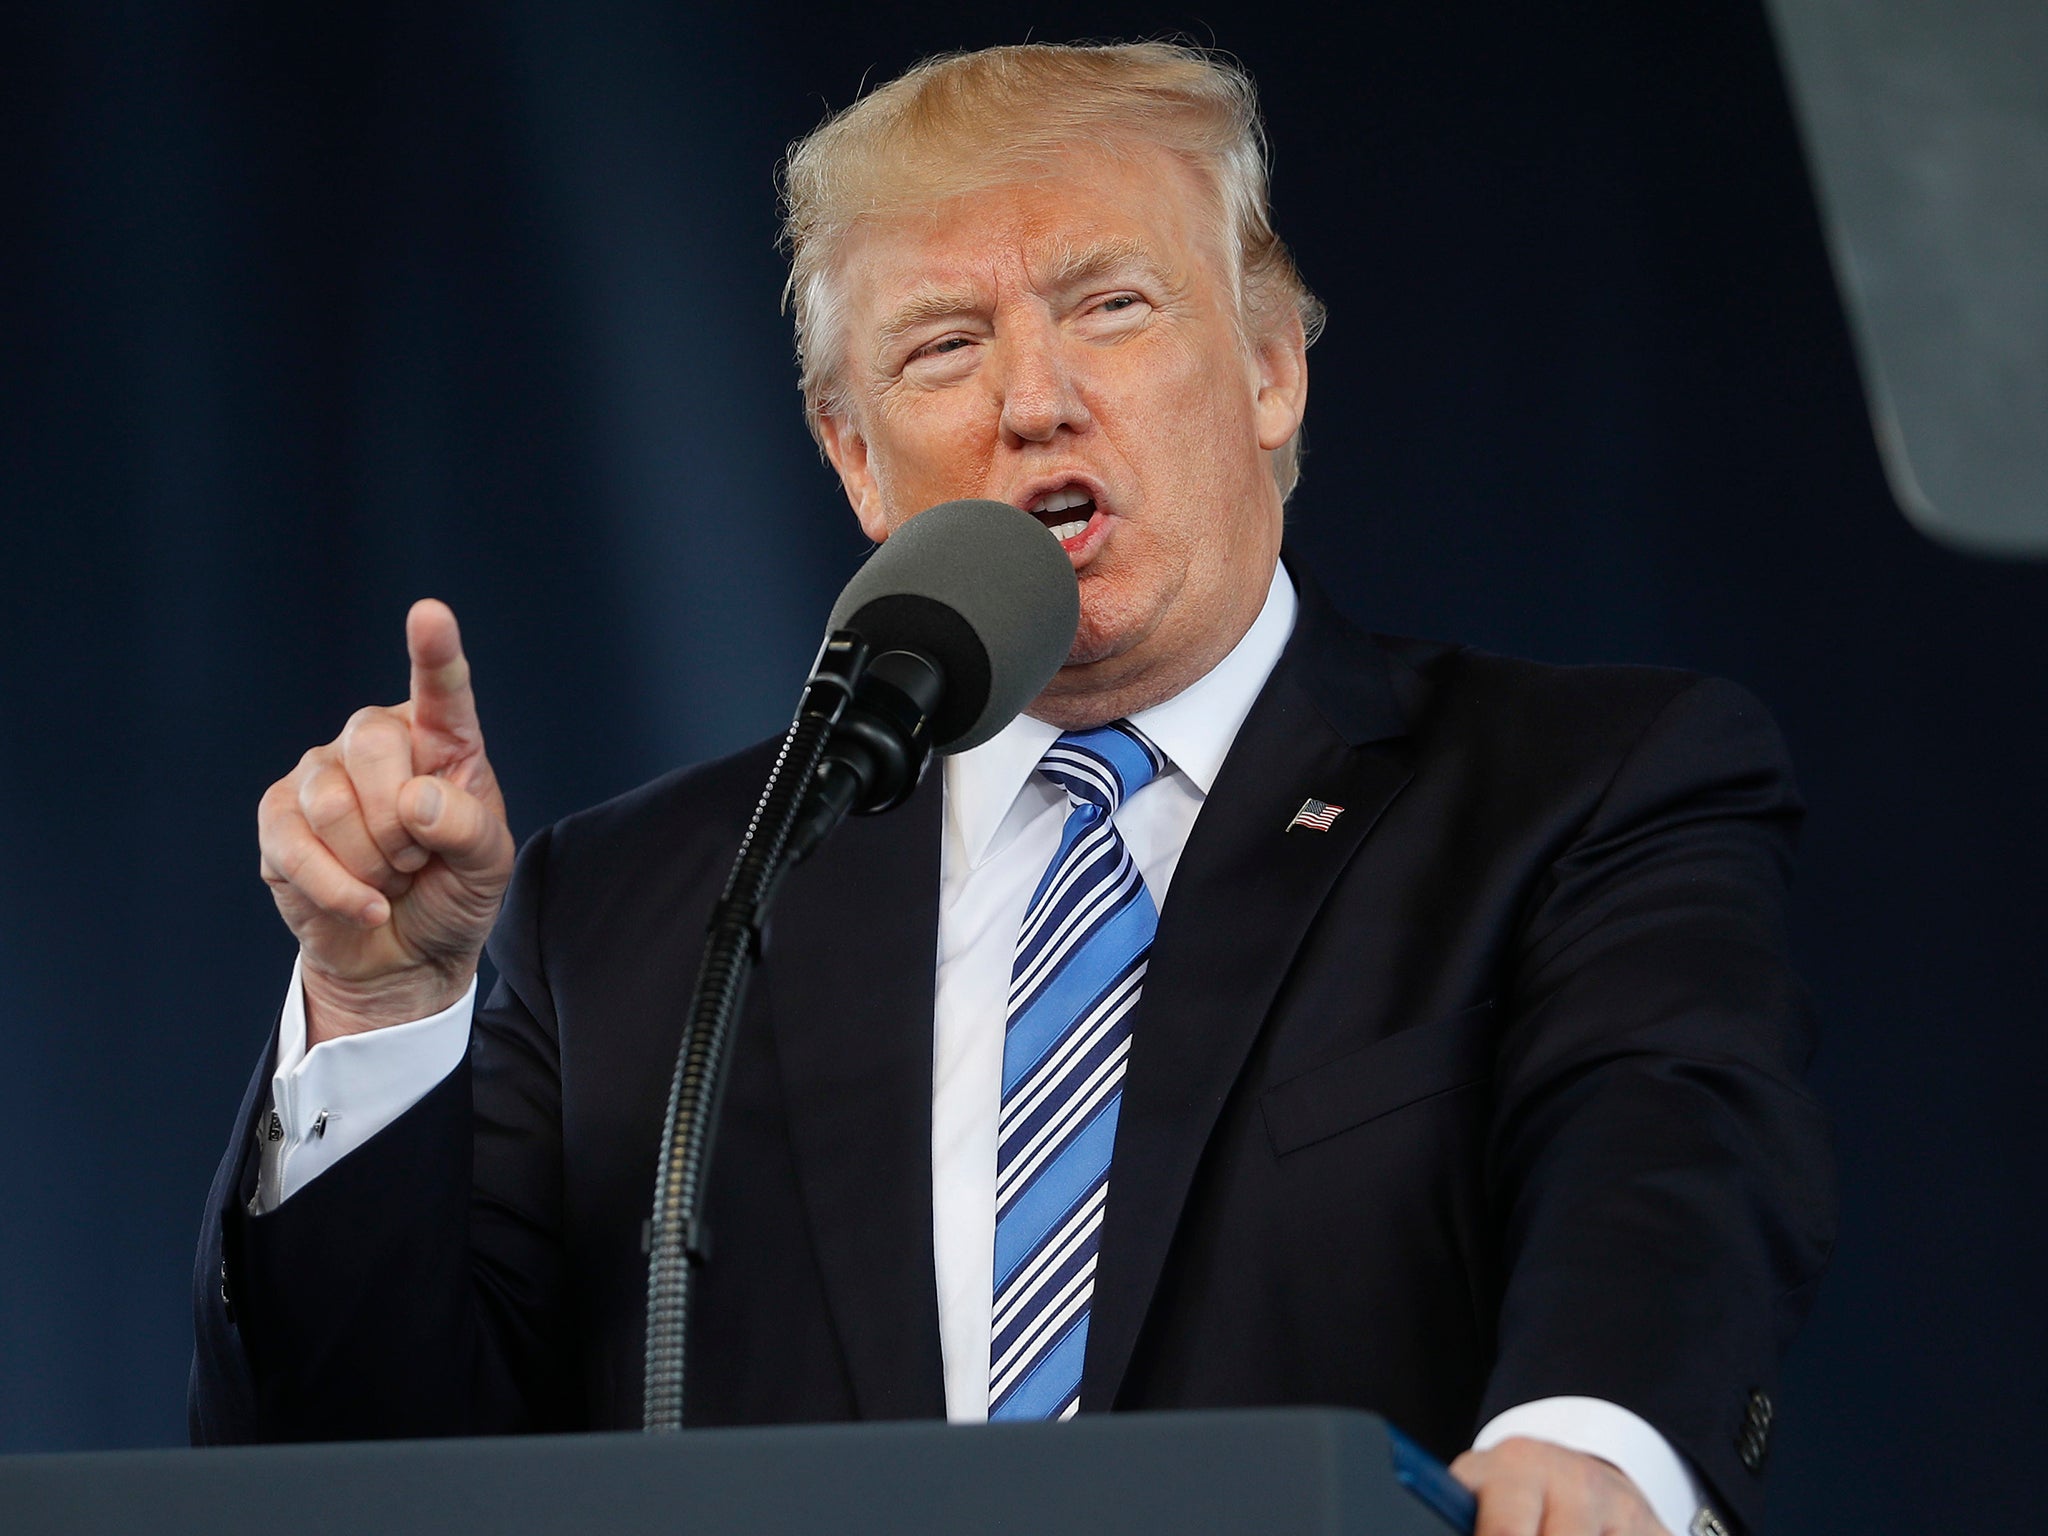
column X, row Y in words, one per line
column 1187, row 422
column 937, row 451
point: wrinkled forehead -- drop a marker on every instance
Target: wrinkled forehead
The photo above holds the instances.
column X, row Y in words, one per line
column 1055, row 222
column 906, row 173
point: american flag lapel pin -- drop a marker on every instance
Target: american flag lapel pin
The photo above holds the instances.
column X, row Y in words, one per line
column 1316, row 815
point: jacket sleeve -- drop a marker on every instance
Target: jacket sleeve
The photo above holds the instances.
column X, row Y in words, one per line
column 1663, row 1179
column 220, row 1398
column 416, row 1287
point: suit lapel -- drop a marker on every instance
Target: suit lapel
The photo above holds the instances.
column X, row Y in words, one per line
column 1327, row 727
column 848, row 967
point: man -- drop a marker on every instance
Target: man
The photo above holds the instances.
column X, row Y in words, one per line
column 1315, row 1017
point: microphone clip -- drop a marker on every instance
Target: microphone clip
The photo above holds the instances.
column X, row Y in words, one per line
column 881, row 740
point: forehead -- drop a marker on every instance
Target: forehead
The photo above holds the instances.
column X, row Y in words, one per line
column 1073, row 216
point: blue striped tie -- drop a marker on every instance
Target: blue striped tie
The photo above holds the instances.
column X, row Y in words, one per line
column 1080, row 961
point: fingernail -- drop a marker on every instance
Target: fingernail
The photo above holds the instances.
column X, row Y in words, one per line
column 428, row 806
column 376, row 912
column 410, row 858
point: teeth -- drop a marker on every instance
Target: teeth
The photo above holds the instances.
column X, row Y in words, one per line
column 1066, row 531
column 1061, row 501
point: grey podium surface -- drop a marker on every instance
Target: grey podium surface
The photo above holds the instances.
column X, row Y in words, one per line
column 1272, row 1472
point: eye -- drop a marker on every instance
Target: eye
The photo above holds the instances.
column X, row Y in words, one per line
column 1113, row 315
column 940, row 347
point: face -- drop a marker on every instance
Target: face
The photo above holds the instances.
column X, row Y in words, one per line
column 1070, row 344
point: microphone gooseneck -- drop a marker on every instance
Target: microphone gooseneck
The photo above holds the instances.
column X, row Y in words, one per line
column 948, row 631
column 676, row 1241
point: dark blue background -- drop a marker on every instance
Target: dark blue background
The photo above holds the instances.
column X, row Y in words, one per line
column 309, row 310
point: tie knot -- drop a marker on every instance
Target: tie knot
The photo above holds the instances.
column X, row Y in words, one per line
column 1103, row 767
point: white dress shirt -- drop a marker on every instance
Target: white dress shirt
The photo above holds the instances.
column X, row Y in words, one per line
column 1002, row 827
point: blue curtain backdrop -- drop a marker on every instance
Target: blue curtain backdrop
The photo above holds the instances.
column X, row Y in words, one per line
column 310, row 310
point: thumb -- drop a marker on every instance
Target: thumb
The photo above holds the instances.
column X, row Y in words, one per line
column 447, row 819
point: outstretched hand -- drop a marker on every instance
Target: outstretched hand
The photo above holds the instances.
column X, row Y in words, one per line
column 388, row 850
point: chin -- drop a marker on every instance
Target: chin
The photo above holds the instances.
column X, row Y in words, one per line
column 1093, row 643
column 1087, row 650
column 1097, row 671
column 1108, row 626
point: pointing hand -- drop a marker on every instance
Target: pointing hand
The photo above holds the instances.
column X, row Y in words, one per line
column 387, row 849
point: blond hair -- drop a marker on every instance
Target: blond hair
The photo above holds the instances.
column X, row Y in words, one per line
column 963, row 121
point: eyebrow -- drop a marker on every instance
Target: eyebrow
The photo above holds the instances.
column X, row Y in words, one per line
column 1069, row 266
column 932, row 304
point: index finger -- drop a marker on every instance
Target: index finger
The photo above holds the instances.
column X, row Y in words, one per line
column 442, row 704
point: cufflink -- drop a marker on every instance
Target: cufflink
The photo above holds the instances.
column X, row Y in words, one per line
column 1706, row 1523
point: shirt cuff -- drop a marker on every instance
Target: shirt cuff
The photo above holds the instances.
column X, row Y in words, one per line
column 326, row 1102
column 1607, row 1430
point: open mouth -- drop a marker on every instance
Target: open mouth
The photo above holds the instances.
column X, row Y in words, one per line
column 1065, row 511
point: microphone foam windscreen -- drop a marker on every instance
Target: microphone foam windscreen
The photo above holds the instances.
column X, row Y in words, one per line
column 984, row 590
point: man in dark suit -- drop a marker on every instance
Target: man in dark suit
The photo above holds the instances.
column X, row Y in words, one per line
column 1456, row 1067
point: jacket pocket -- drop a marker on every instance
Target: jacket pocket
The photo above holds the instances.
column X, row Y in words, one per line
column 1406, row 1067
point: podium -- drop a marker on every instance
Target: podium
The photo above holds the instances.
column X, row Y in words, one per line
column 1275, row 1472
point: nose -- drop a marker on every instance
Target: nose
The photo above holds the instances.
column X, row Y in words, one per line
column 1040, row 390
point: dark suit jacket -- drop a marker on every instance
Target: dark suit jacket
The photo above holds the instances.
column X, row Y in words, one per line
column 1490, row 1093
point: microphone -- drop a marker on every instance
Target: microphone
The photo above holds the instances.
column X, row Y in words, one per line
column 980, row 588
column 953, row 625
column 963, row 615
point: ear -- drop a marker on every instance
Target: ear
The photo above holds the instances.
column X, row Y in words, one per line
column 848, row 451
column 1280, row 360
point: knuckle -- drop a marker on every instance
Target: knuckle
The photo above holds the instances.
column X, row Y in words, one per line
column 289, row 864
column 327, row 799
column 275, row 802
column 370, row 729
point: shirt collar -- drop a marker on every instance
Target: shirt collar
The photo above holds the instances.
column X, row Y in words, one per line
column 1194, row 729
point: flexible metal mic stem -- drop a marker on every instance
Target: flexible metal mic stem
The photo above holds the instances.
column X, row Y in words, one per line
column 676, row 1238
